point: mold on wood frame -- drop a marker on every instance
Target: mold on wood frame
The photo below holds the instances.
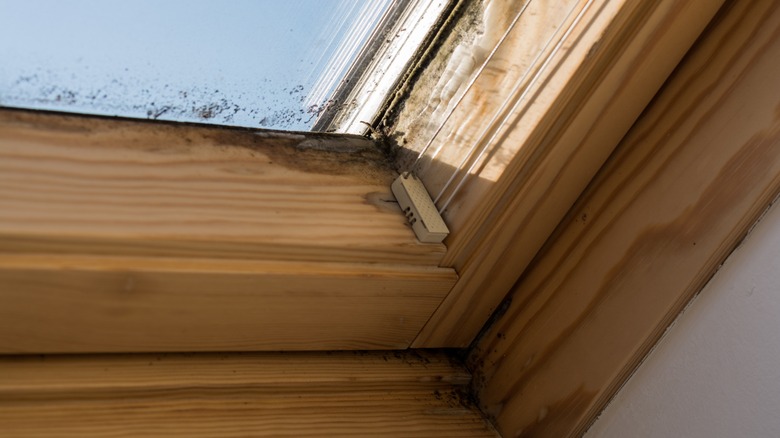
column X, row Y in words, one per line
column 301, row 151
column 191, row 189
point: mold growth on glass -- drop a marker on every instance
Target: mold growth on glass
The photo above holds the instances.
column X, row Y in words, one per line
column 412, row 118
column 130, row 97
column 243, row 63
column 282, row 109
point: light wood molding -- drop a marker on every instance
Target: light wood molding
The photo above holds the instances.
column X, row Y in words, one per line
column 61, row 304
column 305, row 394
column 62, row 376
column 681, row 190
column 119, row 187
column 128, row 236
column 549, row 146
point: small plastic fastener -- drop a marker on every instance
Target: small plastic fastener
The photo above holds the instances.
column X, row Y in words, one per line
column 419, row 209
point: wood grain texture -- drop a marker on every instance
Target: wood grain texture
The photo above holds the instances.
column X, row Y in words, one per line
column 57, row 304
column 66, row 376
column 681, row 190
column 129, row 236
column 336, row 394
column 545, row 150
column 100, row 186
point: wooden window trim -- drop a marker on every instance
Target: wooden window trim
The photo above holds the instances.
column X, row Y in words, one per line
column 621, row 264
column 681, row 191
column 613, row 62
column 547, row 149
column 127, row 236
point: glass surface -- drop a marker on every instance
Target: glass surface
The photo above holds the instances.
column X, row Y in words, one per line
column 267, row 64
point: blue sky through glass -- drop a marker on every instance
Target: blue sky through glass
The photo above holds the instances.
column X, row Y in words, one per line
column 267, row 64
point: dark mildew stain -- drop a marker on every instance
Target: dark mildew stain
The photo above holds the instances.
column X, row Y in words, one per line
column 133, row 96
column 53, row 121
column 313, row 152
column 329, row 154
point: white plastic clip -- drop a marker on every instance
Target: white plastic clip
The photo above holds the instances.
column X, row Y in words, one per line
column 419, row 209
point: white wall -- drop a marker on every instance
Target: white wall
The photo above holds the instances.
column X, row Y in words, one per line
column 716, row 372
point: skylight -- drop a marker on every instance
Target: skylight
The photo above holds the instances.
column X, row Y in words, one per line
column 262, row 64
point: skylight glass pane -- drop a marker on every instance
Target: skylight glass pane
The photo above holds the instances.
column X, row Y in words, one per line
column 265, row 64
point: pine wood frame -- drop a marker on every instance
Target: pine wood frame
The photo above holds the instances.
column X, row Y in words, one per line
column 307, row 203
column 343, row 394
column 131, row 236
column 565, row 394
column 549, row 146
column 682, row 189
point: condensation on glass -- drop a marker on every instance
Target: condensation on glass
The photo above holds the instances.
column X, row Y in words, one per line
column 264, row 64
